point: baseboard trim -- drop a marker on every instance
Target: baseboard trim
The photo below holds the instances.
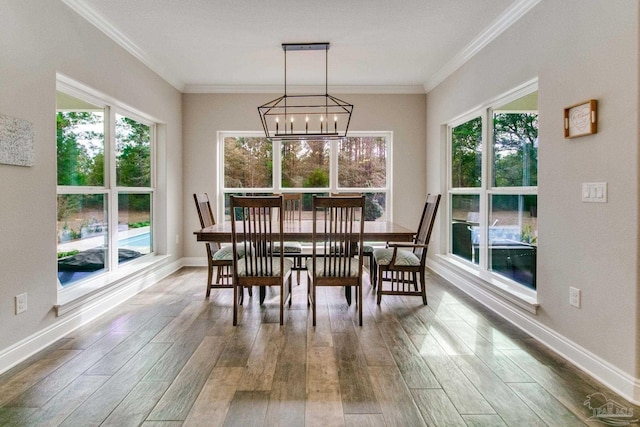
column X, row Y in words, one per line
column 194, row 262
column 613, row 377
column 82, row 314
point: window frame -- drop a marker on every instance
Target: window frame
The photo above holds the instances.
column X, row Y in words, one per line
column 485, row 191
column 113, row 270
column 277, row 171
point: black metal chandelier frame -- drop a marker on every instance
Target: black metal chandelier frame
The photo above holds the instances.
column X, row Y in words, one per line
column 295, row 117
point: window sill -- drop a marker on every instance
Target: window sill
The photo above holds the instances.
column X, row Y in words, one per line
column 80, row 295
column 448, row 266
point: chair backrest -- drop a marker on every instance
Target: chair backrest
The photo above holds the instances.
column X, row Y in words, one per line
column 255, row 231
column 205, row 214
column 204, row 209
column 338, row 226
column 426, row 224
column 292, row 206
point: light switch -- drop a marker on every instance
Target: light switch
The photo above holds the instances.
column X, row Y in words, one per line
column 594, row 192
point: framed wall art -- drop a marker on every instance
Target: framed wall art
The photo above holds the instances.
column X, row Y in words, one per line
column 16, row 141
column 581, row 119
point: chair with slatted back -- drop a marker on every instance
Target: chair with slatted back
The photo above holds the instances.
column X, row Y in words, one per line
column 255, row 231
column 367, row 248
column 400, row 264
column 219, row 258
column 292, row 207
column 338, row 226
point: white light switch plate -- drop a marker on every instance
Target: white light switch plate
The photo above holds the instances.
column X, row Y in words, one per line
column 594, row 192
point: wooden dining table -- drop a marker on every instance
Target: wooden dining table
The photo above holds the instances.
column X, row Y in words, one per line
column 302, row 231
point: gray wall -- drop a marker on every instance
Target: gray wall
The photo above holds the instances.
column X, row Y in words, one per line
column 37, row 40
column 579, row 50
column 206, row 114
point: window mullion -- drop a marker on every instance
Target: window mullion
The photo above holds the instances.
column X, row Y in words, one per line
column 486, row 173
column 277, row 169
column 112, row 196
column 333, row 167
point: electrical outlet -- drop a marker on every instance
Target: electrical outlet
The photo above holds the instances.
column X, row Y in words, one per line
column 177, row 239
column 21, row 303
column 574, row 297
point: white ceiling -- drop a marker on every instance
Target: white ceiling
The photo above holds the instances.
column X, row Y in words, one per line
column 400, row 46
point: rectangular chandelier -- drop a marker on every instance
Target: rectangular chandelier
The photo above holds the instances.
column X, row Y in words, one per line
column 295, row 117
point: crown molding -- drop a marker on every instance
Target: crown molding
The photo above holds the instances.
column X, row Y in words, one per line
column 302, row 89
column 100, row 22
column 502, row 23
column 509, row 17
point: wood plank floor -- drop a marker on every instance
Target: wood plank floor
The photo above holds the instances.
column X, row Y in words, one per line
column 169, row 357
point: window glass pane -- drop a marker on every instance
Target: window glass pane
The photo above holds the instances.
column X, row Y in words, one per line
column 515, row 149
column 375, row 207
column 305, row 164
column 465, row 214
column 227, row 202
column 362, row 162
column 134, row 226
column 133, row 153
column 248, row 162
column 80, row 142
column 513, row 237
column 82, row 236
column 466, row 154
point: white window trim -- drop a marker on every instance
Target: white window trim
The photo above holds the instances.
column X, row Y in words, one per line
column 116, row 275
column 277, row 171
column 480, row 275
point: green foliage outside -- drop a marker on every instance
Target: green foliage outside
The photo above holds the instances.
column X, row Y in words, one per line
column 466, row 146
column 515, row 151
column 305, row 164
column 67, row 253
column 515, row 138
column 81, row 162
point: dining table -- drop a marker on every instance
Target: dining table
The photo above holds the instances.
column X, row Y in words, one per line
column 302, row 231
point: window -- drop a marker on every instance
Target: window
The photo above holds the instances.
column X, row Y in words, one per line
column 253, row 164
column 493, row 164
column 105, row 186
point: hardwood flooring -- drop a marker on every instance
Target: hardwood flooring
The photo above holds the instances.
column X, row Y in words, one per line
column 170, row 357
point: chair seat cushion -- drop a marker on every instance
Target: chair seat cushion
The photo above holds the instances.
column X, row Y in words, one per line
column 289, row 247
column 242, row 271
column 367, row 249
column 320, row 263
column 225, row 253
column 403, row 257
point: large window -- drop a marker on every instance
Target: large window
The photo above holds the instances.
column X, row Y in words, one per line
column 493, row 164
column 253, row 164
column 105, row 187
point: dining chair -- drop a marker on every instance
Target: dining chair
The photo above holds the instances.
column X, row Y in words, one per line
column 292, row 207
column 255, row 230
column 400, row 264
column 367, row 249
column 219, row 258
column 338, row 226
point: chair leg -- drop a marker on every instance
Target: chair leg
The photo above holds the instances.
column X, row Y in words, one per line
column 209, row 278
column 380, row 276
column 359, row 291
column 374, row 271
column 235, row 305
column 423, row 287
column 219, row 273
column 282, row 297
column 313, row 304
